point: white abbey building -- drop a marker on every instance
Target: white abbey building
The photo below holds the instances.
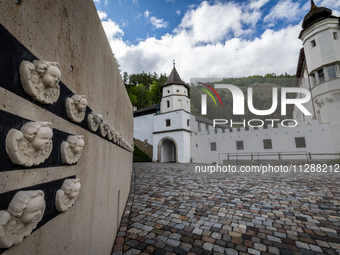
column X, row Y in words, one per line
column 178, row 136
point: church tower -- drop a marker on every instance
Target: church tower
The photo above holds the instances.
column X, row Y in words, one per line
column 175, row 94
column 319, row 68
column 171, row 136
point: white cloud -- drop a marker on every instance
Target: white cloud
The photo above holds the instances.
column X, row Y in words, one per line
column 102, row 15
column 171, row 1
column 204, row 47
column 106, row 2
column 112, row 30
column 178, row 12
column 284, row 10
column 158, row 23
column 258, row 4
column 135, row 2
column 146, row 14
column 96, row 1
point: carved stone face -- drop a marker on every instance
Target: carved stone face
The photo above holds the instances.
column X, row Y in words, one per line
column 51, row 77
column 33, row 211
column 98, row 118
column 78, row 147
column 74, row 192
column 42, row 139
column 81, row 107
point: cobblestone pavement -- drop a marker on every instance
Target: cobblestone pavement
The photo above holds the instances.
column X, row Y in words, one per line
column 174, row 210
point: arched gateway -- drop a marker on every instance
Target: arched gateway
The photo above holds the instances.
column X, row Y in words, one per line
column 167, row 150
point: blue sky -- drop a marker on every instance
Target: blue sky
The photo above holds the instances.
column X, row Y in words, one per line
column 206, row 38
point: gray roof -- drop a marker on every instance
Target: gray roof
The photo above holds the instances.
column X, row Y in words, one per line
column 174, row 78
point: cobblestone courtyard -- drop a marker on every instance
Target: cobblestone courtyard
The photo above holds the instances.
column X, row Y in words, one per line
column 173, row 210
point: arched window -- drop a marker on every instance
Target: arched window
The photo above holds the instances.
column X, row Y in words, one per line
column 167, row 103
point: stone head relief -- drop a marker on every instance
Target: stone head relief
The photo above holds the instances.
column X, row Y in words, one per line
column 76, row 108
column 94, row 119
column 72, row 149
column 111, row 133
column 40, row 80
column 68, row 193
column 24, row 213
column 32, row 145
column 104, row 128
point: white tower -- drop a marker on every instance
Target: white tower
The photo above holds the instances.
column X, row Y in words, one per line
column 171, row 136
column 319, row 63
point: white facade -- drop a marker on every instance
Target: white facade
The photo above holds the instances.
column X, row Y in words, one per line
column 321, row 42
column 169, row 129
column 214, row 145
column 175, row 97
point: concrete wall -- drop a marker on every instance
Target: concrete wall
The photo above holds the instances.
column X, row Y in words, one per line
column 70, row 32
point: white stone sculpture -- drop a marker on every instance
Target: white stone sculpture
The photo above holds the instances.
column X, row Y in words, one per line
column 104, row 128
column 93, row 120
column 40, row 80
column 115, row 133
column 68, row 193
column 76, row 108
column 119, row 140
column 111, row 134
column 72, row 149
column 31, row 145
column 22, row 216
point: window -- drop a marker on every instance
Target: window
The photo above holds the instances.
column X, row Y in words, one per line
column 213, row 146
column 167, row 123
column 179, row 103
column 300, row 142
column 199, row 127
column 177, row 90
column 167, row 103
column 335, row 35
column 188, row 123
column 239, row 145
column 331, row 71
column 313, row 79
column 168, row 91
column 206, row 127
column 321, row 75
column 196, row 145
column 223, row 130
column 267, row 144
column 313, row 44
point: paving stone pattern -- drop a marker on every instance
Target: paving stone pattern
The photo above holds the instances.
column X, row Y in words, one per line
column 173, row 210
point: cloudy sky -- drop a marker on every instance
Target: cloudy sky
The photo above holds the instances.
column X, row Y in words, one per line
column 206, row 38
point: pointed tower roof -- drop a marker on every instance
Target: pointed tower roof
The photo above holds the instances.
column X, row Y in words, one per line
column 174, row 78
column 315, row 14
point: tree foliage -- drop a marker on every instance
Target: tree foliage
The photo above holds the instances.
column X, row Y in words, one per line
column 144, row 89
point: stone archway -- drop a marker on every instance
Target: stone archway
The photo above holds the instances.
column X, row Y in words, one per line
column 167, row 150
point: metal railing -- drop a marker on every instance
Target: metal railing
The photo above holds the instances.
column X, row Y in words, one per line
column 260, row 156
